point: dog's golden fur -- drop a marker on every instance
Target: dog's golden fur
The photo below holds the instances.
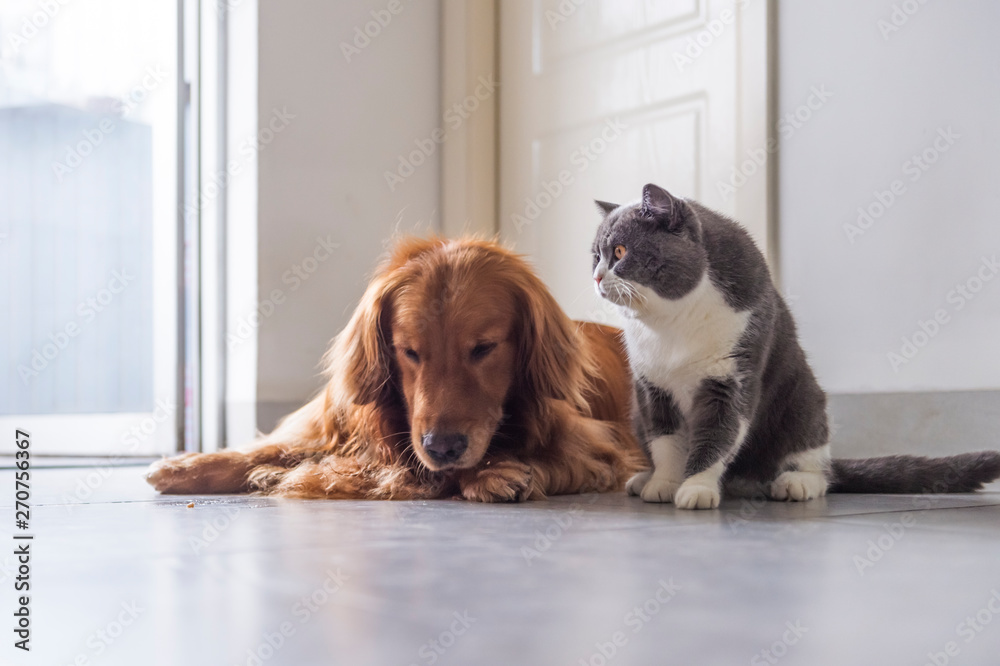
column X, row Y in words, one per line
column 545, row 409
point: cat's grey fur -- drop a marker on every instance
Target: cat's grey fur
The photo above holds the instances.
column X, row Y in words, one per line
column 725, row 398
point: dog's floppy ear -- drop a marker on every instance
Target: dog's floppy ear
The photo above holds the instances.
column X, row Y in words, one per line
column 549, row 347
column 359, row 361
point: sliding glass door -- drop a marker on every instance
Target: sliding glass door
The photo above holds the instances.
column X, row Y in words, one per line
column 90, row 111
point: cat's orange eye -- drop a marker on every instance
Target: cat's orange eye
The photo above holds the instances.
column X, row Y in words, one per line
column 620, row 251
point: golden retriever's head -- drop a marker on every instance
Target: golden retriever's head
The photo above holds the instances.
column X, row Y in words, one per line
column 454, row 333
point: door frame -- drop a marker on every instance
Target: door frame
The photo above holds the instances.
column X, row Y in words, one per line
column 470, row 156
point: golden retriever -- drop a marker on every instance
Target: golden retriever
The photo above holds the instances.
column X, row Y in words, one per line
column 458, row 375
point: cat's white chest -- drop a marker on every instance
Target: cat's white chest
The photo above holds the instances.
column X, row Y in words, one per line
column 678, row 344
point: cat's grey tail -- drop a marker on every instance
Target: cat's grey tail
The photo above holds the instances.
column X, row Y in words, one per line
column 963, row 473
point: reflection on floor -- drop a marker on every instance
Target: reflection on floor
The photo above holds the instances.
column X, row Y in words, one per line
column 120, row 575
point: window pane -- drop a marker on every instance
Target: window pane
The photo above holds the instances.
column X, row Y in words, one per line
column 88, row 155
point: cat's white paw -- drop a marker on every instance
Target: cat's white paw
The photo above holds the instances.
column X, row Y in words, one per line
column 696, row 494
column 635, row 485
column 798, row 486
column 659, row 490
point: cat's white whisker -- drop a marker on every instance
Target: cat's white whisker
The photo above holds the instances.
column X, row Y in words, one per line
column 632, row 294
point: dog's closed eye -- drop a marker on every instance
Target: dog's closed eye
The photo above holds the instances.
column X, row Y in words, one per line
column 482, row 350
column 412, row 355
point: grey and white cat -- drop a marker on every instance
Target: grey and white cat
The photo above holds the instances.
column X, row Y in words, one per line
column 726, row 400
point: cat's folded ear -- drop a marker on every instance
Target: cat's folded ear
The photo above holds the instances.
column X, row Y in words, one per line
column 657, row 202
column 666, row 210
column 605, row 207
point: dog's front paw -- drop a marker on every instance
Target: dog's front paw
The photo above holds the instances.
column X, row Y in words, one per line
column 167, row 474
column 635, row 485
column 506, row 481
column 695, row 494
column 218, row 472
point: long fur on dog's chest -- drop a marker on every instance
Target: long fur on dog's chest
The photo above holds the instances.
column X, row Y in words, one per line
column 677, row 344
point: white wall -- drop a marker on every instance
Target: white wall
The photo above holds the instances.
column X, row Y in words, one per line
column 891, row 96
column 323, row 175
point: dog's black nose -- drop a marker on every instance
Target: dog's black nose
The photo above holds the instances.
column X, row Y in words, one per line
column 445, row 448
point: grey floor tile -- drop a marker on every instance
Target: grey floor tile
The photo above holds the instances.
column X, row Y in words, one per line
column 584, row 579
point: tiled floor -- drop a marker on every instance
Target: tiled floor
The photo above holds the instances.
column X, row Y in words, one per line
column 122, row 576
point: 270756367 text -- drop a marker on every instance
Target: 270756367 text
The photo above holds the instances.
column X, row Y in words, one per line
column 22, row 541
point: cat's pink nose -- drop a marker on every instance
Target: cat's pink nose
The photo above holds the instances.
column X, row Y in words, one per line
column 597, row 279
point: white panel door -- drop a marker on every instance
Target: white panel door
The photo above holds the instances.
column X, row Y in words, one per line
column 599, row 98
